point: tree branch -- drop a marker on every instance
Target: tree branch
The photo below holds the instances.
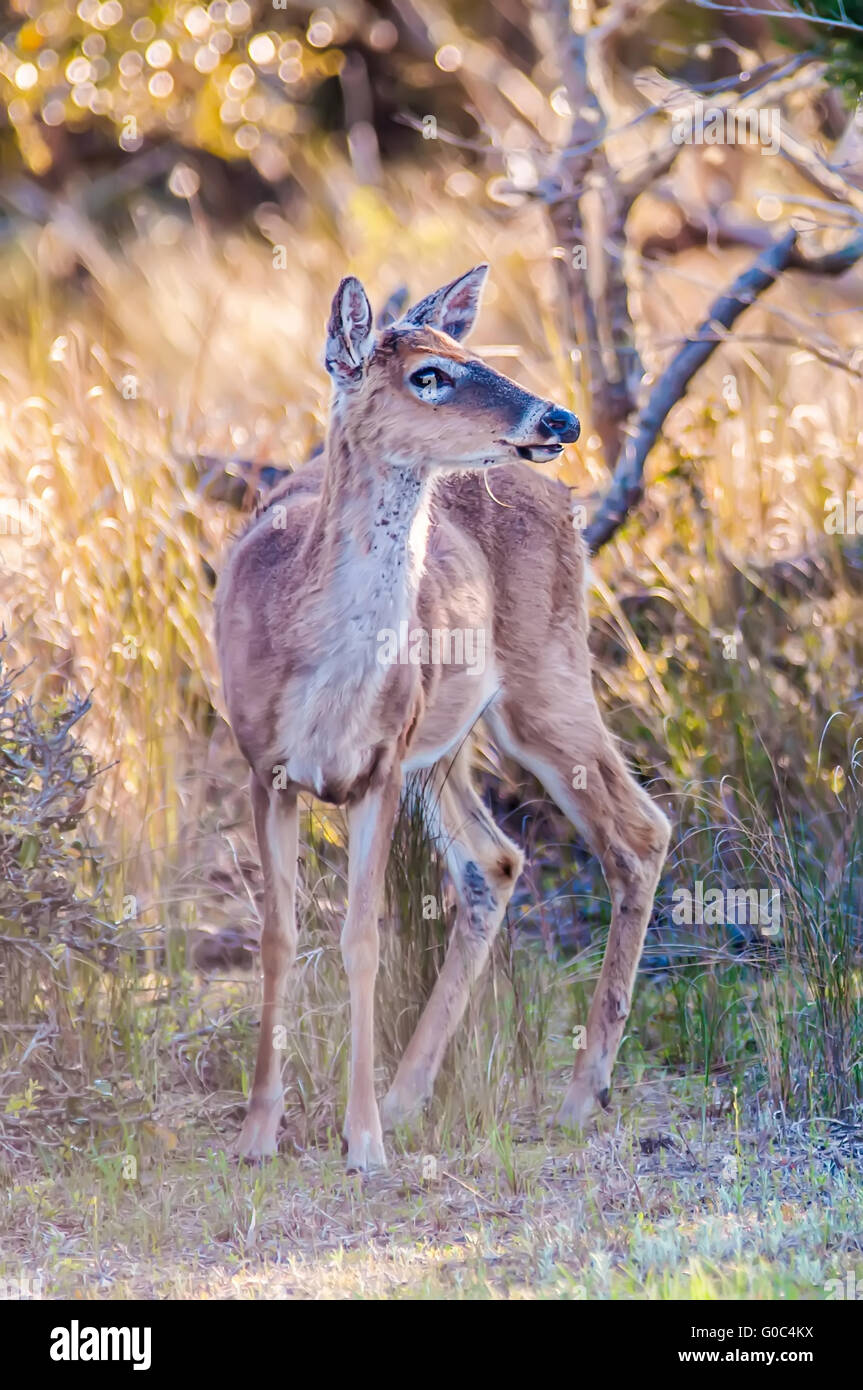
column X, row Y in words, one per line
column 781, row 12
column 627, row 486
column 817, row 171
column 600, row 300
column 770, row 83
column 718, row 229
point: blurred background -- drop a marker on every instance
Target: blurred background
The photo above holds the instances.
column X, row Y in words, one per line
column 182, row 187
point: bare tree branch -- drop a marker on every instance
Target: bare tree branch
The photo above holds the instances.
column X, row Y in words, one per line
column 706, row 227
column 816, row 170
column 627, row 485
column 826, row 355
column 618, row 18
column 495, row 86
column 574, row 167
column 783, row 12
column 599, row 298
column 768, row 82
column 602, row 321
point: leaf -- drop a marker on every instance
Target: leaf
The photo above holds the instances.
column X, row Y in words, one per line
column 28, row 854
column 163, row 1136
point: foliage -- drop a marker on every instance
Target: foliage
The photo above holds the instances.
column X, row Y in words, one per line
column 210, row 75
column 60, row 1001
column 843, row 44
column 45, row 776
column 242, row 79
column 728, row 640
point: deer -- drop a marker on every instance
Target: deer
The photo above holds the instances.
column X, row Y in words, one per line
column 423, row 509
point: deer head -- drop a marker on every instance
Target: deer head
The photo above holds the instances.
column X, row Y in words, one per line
column 413, row 395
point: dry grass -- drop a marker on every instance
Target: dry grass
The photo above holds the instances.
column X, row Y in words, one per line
column 183, row 342
column 656, row 1205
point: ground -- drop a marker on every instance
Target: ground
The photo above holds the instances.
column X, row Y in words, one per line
column 656, row 1202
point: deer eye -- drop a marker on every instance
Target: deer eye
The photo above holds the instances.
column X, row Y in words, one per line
column 430, row 379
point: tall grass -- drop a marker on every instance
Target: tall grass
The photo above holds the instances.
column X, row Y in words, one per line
column 721, row 657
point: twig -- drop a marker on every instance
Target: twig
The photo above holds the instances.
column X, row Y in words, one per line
column 627, row 485
column 817, row 171
column 780, row 12
column 768, row 82
column 477, row 1196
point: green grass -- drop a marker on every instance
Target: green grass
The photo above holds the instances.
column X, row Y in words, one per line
column 662, row 1205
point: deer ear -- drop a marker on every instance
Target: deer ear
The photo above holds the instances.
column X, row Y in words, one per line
column 454, row 308
column 349, row 331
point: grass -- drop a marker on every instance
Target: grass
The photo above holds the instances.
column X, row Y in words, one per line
column 728, row 647
column 659, row 1204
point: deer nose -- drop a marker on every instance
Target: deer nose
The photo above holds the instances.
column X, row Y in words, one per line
column 562, row 423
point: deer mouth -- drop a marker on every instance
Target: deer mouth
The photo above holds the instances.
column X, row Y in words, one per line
column 539, row 453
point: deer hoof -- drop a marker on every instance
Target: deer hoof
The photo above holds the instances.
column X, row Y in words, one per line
column 366, row 1153
column 259, row 1137
column 579, row 1104
column 399, row 1109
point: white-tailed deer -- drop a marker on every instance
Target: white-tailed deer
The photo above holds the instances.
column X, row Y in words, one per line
column 400, row 527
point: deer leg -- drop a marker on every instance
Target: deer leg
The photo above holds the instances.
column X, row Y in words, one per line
column 370, row 827
column 629, row 834
column 276, row 826
column 484, row 866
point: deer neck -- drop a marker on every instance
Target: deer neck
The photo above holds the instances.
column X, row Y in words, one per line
column 372, row 525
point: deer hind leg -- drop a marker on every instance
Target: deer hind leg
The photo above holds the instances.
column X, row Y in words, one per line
column 582, row 770
column 370, row 827
column 276, row 826
column 484, row 866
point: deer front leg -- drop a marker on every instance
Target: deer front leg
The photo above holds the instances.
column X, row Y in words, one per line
column 370, row 826
column 276, row 828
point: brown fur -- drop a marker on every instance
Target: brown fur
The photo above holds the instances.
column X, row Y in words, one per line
column 377, row 529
